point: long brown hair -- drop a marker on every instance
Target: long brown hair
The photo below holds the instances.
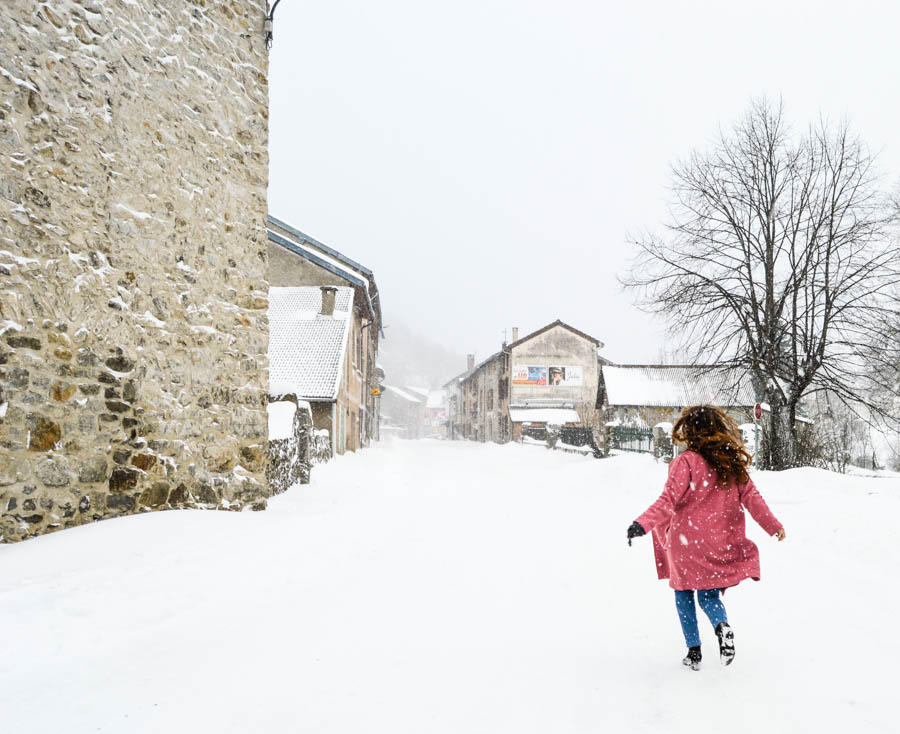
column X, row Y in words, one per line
column 714, row 435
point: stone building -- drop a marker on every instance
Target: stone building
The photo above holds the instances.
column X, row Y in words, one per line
column 318, row 354
column 133, row 329
column 291, row 443
column 298, row 260
column 484, row 406
column 453, row 400
column 641, row 403
column 549, row 377
column 647, row 395
column 403, row 412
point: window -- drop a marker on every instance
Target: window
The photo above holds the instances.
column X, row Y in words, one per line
column 490, row 400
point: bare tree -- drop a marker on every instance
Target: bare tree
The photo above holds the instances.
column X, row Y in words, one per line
column 779, row 259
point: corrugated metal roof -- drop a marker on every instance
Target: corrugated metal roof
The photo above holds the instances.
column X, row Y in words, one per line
column 664, row 386
column 306, row 350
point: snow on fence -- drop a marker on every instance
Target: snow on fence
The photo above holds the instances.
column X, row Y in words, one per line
column 656, row 440
column 577, row 440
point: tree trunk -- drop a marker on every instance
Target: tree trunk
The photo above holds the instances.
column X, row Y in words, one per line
column 780, row 444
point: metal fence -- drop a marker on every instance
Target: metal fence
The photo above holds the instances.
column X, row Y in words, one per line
column 629, row 438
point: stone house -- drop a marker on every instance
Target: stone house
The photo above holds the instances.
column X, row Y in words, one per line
column 317, row 353
column 647, row 395
column 549, row 377
column 403, row 412
column 298, row 260
column 453, row 400
column 133, row 330
column 484, row 394
column 554, row 380
column 653, row 396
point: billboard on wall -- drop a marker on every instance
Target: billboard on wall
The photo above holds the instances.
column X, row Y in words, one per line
column 565, row 376
column 529, row 375
column 555, row 375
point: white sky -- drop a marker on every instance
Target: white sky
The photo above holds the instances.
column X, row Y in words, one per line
column 486, row 158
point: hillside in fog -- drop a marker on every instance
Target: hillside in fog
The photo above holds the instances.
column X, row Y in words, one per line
column 411, row 358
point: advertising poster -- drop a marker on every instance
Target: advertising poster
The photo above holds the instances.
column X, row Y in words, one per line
column 565, row 376
column 529, row 375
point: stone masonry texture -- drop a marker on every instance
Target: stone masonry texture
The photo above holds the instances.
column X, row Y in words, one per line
column 133, row 293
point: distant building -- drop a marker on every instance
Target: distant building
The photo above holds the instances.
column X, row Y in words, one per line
column 547, row 378
column 638, row 398
column 435, row 414
column 298, row 260
column 646, row 395
column 414, row 412
column 453, row 401
column 402, row 412
column 485, row 398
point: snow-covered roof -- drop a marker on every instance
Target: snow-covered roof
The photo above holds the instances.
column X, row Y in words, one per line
column 306, row 300
column 306, row 349
column 676, row 386
column 554, row 416
column 411, row 397
column 456, row 381
column 558, row 322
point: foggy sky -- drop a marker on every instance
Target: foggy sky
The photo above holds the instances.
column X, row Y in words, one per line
column 487, row 158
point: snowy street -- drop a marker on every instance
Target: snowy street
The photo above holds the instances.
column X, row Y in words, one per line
column 429, row 587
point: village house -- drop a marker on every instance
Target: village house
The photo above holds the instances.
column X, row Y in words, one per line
column 453, row 400
column 484, row 393
column 637, row 399
column 547, row 378
column 317, row 354
column 646, row 395
column 641, row 403
column 402, row 412
column 298, row 260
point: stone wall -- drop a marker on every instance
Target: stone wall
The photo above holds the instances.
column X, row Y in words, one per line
column 133, row 329
column 290, row 444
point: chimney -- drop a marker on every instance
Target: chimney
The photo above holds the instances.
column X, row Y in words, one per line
column 470, row 361
column 515, row 333
column 328, row 294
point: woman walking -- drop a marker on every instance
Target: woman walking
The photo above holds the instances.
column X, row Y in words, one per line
column 699, row 540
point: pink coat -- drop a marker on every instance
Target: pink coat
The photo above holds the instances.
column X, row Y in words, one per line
column 698, row 527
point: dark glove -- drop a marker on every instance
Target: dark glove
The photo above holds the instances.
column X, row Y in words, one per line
column 635, row 530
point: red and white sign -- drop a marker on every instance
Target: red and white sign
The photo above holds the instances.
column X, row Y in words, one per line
column 758, row 411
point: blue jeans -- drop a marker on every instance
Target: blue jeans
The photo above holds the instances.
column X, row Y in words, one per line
column 710, row 603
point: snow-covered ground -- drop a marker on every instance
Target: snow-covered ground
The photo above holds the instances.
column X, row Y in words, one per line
column 449, row 587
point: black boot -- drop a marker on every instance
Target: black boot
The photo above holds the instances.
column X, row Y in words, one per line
column 726, row 643
column 693, row 658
